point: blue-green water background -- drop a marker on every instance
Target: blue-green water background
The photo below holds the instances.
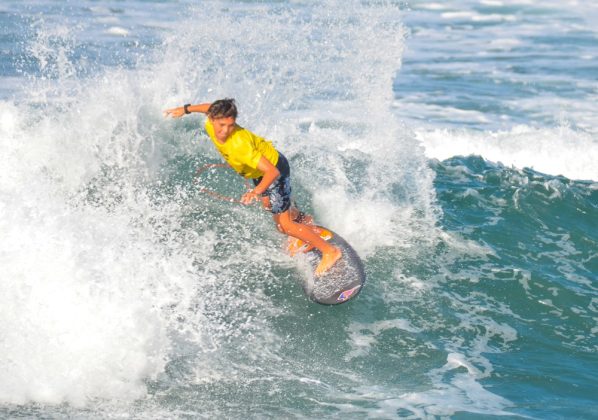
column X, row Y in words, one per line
column 453, row 144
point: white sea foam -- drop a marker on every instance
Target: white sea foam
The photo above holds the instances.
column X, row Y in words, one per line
column 558, row 151
column 496, row 3
column 364, row 336
column 432, row 6
column 505, row 43
column 477, row 17
column 82, row 279
column 108, row 20
column 117, row 30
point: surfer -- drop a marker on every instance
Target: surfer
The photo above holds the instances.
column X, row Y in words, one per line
column 256, row 158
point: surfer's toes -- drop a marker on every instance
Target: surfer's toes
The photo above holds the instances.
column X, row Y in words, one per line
column 293, row 246
column 328, row 260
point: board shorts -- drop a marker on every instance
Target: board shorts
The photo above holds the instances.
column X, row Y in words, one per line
column 279, row 191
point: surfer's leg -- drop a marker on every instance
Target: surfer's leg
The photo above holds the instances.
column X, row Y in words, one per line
column 299, row 216
column 279, row 199
column 330, row 253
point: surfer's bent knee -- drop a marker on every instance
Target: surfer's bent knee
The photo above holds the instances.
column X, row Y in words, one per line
column 280, row 228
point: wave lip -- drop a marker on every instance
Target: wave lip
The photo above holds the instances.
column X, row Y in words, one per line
column 555, row 151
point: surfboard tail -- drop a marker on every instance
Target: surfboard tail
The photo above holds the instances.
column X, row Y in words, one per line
column 343, row 281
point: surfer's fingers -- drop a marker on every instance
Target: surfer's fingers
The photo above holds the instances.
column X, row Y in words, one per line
column 246, row 199
column 249, row 197
column 174, row 112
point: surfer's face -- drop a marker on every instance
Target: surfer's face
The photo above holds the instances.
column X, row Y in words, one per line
column 223, row 127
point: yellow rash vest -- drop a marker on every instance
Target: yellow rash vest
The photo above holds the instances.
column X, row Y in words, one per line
column 242, row 150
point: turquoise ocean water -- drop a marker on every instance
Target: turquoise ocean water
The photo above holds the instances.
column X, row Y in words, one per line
column 453, row 143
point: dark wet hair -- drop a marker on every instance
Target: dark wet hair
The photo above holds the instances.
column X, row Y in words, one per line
column 223, row 108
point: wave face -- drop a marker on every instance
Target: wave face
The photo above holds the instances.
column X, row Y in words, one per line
column 125, row 291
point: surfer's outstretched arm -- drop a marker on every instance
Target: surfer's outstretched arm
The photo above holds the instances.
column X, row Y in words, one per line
column 179, row 111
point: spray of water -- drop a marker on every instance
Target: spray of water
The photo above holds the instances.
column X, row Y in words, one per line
column 115, row 270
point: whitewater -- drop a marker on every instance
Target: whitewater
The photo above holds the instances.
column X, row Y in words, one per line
column 453, row 144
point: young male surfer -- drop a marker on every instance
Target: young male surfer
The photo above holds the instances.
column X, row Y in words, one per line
column 256, row 158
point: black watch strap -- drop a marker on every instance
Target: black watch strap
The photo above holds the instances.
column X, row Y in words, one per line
column 186, row 108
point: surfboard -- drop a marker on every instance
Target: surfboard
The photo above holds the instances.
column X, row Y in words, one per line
column 343, row 281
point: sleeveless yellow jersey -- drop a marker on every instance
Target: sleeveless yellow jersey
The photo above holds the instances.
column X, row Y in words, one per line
column 242, row 150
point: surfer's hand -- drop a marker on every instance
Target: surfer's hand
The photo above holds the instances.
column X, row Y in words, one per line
column 177, row 112
column 250, row 196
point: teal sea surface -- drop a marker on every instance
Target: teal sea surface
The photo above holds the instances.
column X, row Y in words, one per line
column 453, row 144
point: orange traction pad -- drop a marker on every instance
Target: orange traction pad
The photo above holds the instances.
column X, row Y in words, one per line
column 296, row 246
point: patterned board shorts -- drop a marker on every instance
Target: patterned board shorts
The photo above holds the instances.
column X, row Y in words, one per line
column 279, row 191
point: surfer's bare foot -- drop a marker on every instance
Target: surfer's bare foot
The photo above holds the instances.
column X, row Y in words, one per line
column 328, row 260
